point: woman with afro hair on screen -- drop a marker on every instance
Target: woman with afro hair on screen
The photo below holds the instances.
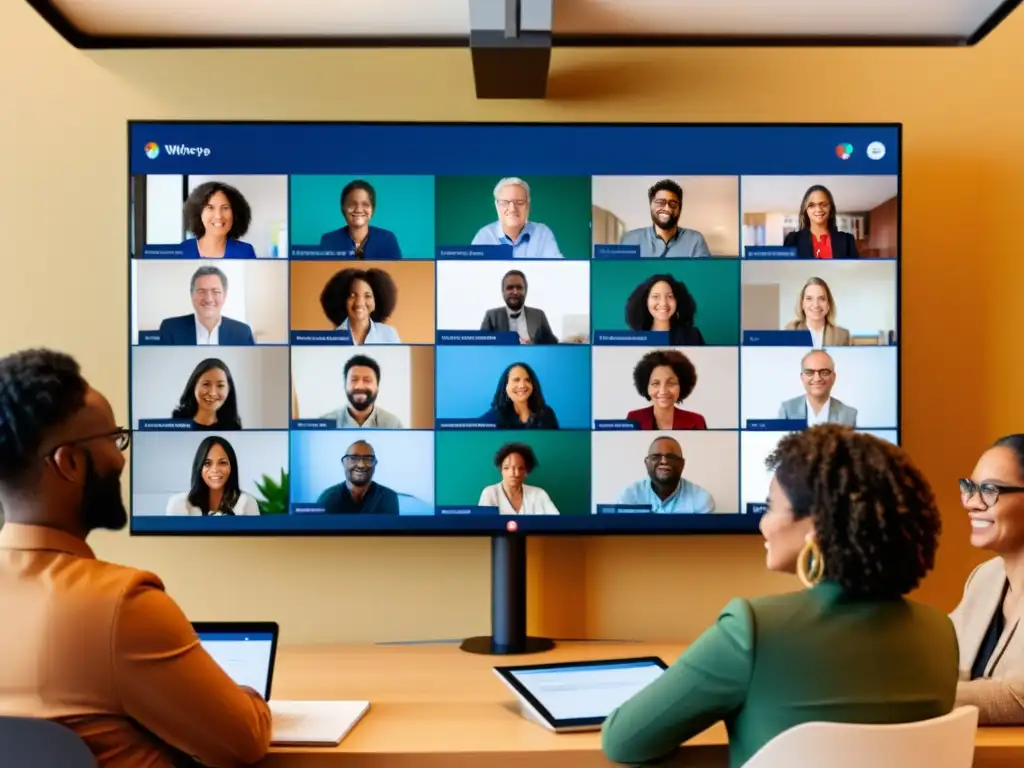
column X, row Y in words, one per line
column 663, row 303
column 852, row 516
column 359, row 301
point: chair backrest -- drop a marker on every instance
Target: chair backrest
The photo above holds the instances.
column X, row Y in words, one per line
column 33, row 743
column 942, row 742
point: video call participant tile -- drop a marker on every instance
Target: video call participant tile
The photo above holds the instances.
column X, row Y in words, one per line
column 523, row 388
column 820, row 217
column 372, row 472
column 363, row 303
column 665, row 388
column 224, row 303
column 381, row 387
column 204, row 389
column 221, row 217
column 665, row 216
column 687, row 303
column 819, row 303
column 665, row 473
column 200, row 474
column 495, row 302
column 755, row 479
column 791, row 388
column 512, row 217
column 513, row 473
column 377, row 218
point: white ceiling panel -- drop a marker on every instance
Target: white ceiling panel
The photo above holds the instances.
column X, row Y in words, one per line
column 419, row 18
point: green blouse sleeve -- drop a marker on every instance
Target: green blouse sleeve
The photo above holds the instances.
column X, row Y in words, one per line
column 707, row 682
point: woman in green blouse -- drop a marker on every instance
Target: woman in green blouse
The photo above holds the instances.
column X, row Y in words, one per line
column 857, row 521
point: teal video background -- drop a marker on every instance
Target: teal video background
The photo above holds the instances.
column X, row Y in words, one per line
column 405, row 205
column 466, row 203
column 464, row 463
column 714, row 285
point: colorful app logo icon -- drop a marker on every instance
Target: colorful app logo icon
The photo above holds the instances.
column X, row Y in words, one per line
column 152, row 150
column 843, row 151
column 876, row 150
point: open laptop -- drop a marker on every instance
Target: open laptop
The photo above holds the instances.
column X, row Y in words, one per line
column 578, row 695
column 247, row 652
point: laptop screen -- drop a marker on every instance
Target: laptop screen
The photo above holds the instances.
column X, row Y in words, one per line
column 245, row 656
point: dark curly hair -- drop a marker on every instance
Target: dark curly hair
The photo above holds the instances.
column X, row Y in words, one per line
column 638, row 318
column 522, row 449
column 674, row 359
column 874, row 513
column 334, row 297
column 241, row 213
column 39, row 390
column 665, row 185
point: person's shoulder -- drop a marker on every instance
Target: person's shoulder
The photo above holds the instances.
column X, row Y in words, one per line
column 383, row 234
column 178, row 504
column 233, row 324
column 633, row 236
column 987, row 577
column 386, row 493
column 791, row 238
column 246, row 505
column 176, row 321
column 239, row 249
column 387, row 332
column 121, row 582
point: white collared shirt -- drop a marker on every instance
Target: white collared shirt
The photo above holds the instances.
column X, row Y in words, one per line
column 179, row 506
column 205, row 337
column 813, row 419
column 518, row 324
column 817, row 337
column 535, row 501
column 379, row 333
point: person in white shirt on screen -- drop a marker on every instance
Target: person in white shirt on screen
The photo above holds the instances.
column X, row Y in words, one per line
column 529, row 239
column 206, row 325
column 817, row 406
column 530, row 323
column 215, row 491
column 816, row 312
column 665, row 490
column 359, row 301
column 362, row 380
column 512, row 496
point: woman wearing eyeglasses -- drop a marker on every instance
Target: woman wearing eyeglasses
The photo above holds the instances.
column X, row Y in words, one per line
column 819, row 236
column 986, row 621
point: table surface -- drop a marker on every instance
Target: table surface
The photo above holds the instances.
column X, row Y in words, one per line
column 434, row 705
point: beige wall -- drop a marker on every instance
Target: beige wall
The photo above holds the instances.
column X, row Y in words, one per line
column 62, row 203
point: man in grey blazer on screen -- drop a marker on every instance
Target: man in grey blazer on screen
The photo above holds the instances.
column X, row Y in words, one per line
column 530, row 323
column 817, row 406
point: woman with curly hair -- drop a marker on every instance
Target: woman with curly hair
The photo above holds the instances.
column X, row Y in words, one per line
column 663, row 303
column 858, row 523
column 665, row 377
column 359, row 301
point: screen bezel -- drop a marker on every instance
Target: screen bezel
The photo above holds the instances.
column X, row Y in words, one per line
column 618, row 527
column 507, row 674
column 245, row 628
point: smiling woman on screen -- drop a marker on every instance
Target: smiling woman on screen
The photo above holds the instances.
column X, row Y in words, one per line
column 359, row 301
column 215, row 490
column 209, row 399
column 512, row 496
column 816, row 312
column 217, row 215
column 988, row 617
column 819, row 236
column 857, row 522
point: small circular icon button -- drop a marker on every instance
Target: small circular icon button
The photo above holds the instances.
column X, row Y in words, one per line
column 876, row 150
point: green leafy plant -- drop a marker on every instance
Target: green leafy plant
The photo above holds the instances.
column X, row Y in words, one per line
column 275, row 495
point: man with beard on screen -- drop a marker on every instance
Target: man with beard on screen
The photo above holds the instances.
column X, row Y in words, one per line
column 359, row 494
column 362, row 381
column 665, row 238
column 530, row 323
column 97, row 647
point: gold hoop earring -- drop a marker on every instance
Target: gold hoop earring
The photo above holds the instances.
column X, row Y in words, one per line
column 810, row 564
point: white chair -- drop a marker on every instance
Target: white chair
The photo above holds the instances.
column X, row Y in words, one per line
column 943, row 742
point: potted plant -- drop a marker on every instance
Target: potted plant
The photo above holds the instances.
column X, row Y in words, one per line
column 274, row 493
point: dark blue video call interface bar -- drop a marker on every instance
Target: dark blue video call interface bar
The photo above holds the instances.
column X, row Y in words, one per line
column 438, row 376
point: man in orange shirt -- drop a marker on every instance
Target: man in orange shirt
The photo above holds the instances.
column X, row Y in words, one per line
column 98, row 647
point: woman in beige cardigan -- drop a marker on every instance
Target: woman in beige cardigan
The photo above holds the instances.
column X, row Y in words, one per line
column 987, row 621
column 816, row 312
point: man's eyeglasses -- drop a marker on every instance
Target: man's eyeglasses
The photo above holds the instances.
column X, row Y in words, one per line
column 671, row 458
column 823, row 373
column 989, row 492
column 353, row 460
column 121, row 437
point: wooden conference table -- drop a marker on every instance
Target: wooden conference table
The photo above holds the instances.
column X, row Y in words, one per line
column 434, row 706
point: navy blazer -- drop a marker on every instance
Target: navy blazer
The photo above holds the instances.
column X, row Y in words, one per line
column 233, row 249
column 843, row 244
column 181, row 332
column 380, row 243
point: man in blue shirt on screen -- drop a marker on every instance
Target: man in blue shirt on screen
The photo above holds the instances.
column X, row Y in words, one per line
column 665, row 238
column 529, row 239
column 664, row 489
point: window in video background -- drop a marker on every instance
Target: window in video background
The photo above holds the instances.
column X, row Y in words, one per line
column 866, row 209
column 625, row 213
column 377, row 218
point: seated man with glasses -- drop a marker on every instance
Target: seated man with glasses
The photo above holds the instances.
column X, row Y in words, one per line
column 816, row 405
column 97, row 647
column 665, row 239
column 987, row 620
column 359, row 495
column 529, row 239
column 665, row 490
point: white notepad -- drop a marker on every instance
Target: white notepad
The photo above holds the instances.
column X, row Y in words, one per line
column 314, row 723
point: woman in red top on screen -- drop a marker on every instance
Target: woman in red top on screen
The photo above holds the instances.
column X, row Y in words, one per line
column 662, row 303
column 217, row 215
column 816, row 312
column 665, row 378
column 819, row 236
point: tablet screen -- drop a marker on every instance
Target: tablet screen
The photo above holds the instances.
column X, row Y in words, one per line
column 586, row 691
